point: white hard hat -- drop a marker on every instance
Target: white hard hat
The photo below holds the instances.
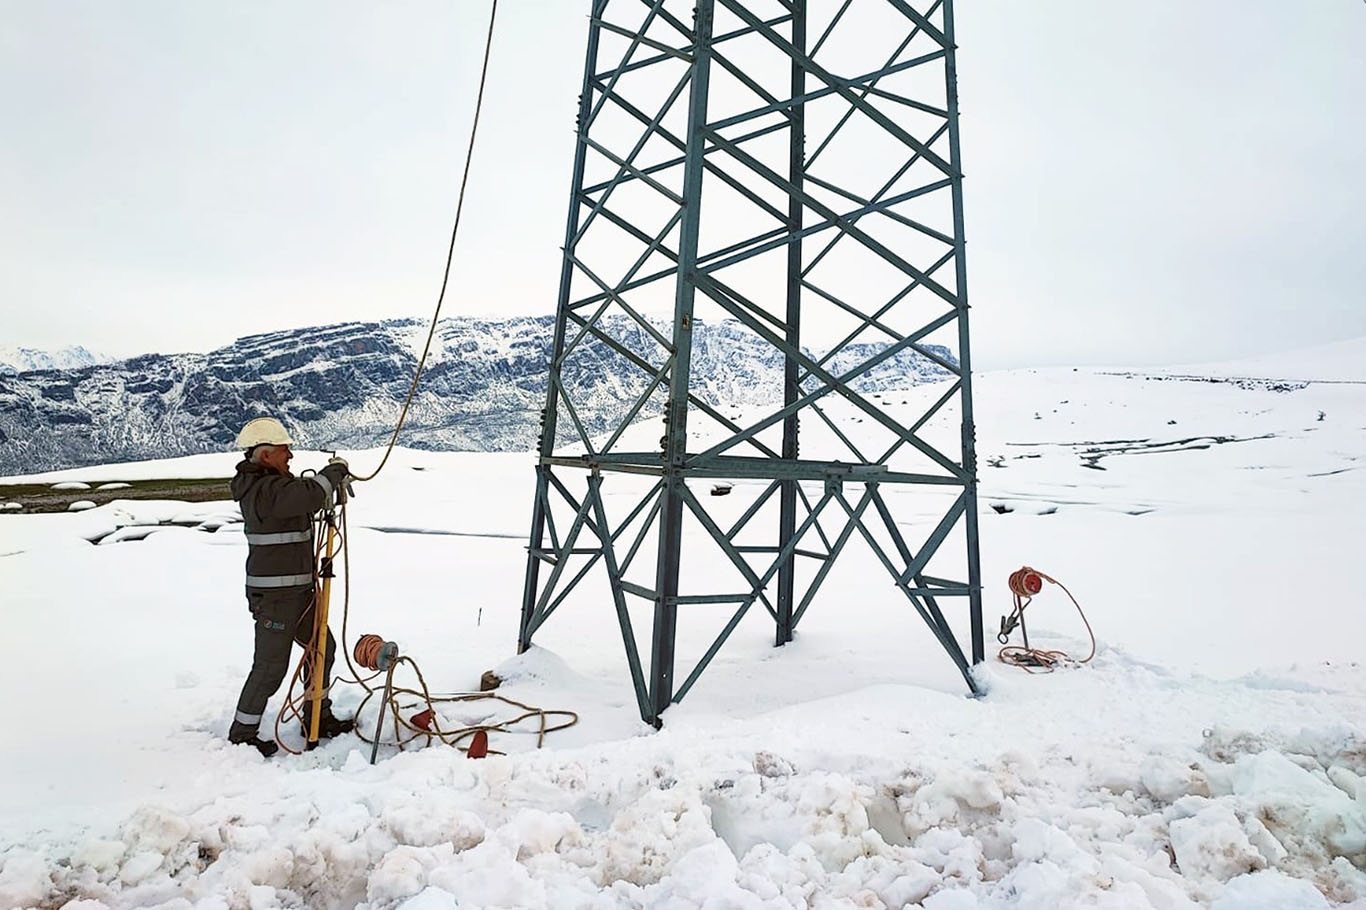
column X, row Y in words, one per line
column 263, row 431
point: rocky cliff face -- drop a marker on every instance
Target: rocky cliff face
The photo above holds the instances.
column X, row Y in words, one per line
column 341, row 386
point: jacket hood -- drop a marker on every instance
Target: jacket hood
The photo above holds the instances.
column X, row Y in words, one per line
column 248, row 473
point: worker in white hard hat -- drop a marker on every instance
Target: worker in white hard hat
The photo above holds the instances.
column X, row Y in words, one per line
column 278, row 510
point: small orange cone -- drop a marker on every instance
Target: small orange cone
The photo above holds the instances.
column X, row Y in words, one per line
column 479, row 746
column 423, row 719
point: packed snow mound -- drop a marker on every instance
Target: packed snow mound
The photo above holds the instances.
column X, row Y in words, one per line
column 671, row 821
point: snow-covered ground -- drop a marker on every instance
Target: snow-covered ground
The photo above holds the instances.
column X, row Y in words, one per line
column 1212, row 755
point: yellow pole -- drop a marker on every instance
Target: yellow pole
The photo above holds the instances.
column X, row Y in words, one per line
column 320, row 643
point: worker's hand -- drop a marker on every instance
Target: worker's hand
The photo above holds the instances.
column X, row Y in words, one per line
column 336, row 473
column 338, row 460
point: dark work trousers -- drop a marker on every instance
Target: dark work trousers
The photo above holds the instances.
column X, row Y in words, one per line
column 283, row 616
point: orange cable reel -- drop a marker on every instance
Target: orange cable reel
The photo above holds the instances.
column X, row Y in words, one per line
column 1025, row 583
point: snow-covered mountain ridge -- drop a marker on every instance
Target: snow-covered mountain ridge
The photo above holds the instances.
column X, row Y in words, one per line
column 23, row 360
column 340, row 386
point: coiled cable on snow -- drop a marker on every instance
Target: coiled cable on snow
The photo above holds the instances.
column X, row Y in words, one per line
column 1024, row 583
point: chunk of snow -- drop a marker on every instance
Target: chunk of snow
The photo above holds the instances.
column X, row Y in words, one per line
column 1301, row 807
column 983, row 677
column 951, row 899
column 139, row 866
column 116, row 485
column 1168, row 779
column 1212, row 845
column 24, row 878
column 1348, row 782
column 435, row 818
column 402, row 872
column 130, row 532
column 80, row 505
column 770, row 765
column 1269, row 890
column 104, row 856
column 156, row 830
column 432, row 898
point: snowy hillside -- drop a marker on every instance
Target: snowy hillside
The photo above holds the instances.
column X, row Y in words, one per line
column 1341, row 361
column 341, row 386
column 22, row 360
column 1212, row 755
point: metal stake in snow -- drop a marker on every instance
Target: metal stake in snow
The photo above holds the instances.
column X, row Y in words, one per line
column 374, row 653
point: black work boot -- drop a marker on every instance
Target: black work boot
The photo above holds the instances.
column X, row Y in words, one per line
column 329, row 725
column 267, row 747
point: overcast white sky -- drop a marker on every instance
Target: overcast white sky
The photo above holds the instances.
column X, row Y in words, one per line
column 1169, row 181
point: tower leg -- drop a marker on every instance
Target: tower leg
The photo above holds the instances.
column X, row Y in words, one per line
column 787, row 515
column 676, row 436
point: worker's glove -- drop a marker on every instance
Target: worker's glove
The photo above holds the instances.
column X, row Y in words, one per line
column 337, row 474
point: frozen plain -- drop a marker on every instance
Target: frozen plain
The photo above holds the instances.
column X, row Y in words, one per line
column 1212, row 755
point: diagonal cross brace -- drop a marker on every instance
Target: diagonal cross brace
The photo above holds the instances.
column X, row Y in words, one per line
column 834, row 82
column 928, row 611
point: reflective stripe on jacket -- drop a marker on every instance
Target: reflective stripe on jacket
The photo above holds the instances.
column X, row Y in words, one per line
column 277, row 513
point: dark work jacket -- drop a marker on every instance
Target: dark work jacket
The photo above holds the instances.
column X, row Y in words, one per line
column 277, row 510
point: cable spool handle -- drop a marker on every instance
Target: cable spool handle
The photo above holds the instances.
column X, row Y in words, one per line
column 1027, row 582
column 374, row 653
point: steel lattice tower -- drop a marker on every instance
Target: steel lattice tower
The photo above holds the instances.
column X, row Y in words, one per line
column 791, row 168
